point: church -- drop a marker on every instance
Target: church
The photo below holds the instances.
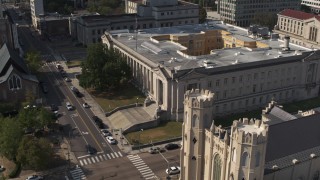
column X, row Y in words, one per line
column 278, row 146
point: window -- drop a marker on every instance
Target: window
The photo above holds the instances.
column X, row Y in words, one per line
column 14, row 82
column 225, row 81
column 257, row 159
column 93, row 32
column 233, row 80
column 192, row 86
column 217, row 83
column 217, row 167
column 209, row 83
column 234, row 155
column 98, row 31
column 254, row 87
column 245, row 159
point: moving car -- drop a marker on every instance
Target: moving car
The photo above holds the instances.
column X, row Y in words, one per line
column 171, row 146
column 34, row 177
column 76, row 91
column 90, row 149
column 111, row 140
column 173, row 170
column 105, row 132
column 155, row 150
column 53, row 107
column 85, row 105
column 69, row 106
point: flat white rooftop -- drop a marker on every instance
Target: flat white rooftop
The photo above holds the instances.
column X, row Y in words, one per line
column 167, row 52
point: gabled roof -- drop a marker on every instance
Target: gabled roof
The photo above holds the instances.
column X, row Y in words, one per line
column 298, row 14
column 9, row 57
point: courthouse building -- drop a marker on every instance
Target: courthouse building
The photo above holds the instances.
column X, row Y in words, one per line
column 244, row 72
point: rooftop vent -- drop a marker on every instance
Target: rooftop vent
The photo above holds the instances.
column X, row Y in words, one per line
column 313, row 155
column 208, row 64
column 295, row 161
column 297, row 52
column 275, row 167
column 236, row 61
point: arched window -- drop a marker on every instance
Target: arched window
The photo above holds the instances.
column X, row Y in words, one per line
column 14, row 82
column 206, row 121
column 248, row 138
column 257, row 159
column 217, row 168
column 194, row 120
column 234, row 155
column 245, row 159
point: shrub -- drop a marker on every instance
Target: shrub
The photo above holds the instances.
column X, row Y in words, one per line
column 15, row 171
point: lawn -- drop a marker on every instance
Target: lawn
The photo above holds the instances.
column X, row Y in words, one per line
column 120, row 97
column 73, row 63
column 164, row 131
column 293, row 108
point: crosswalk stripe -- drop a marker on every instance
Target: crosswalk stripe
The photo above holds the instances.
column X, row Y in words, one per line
column 138, row 163
column 133, row 158
column 105, row 157
column 101, row 158
column 108, row 156
column 98, row 160
column 89, row 161
column 85, row 161
column 144, row 170
column 120, row 154
column 116, row 154
column 153, row 177
column 112, row 155
column 141, row 166
column 92, row 159
column 81, row 162
column 147, row 173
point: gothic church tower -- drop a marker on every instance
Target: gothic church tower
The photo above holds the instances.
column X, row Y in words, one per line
column 197, row 116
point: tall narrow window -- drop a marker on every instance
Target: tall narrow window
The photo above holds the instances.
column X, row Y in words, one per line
column 14, row 82
column 257, row 159
column 245, row 159
column 217, row 168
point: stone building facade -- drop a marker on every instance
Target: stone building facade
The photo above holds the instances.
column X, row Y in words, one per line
column 243, row 72
column 249, row 149
column 303, row 28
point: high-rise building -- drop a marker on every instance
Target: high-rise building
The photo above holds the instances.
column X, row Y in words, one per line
column 242, row 12
column 36, row 10
column 313, row 4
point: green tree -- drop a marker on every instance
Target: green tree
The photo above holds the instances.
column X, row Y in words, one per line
column 104, row 68
column 35, row 118
column 34, row 153
column 265, row 19
column 10, row 136
column 33, row 61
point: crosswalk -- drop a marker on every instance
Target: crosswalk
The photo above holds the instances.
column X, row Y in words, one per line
column 145, row 171
column 86, row 160
column 77, row 174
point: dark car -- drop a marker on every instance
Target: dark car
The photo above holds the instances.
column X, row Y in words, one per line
column 155, row 150
column 171, row 146
column 53, row 107
column 90, row 149
column 98, row 122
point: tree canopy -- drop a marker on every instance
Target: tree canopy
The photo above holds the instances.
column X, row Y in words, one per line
column 33, row 61
column 265, row 19
column 103, row 68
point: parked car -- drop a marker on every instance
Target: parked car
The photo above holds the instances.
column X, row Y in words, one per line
column 90, row 149
column 171, row 146
column 105, row 132
column 67, row 79
column 85, row 105
column 173, row 170
column 53, row 107
column 34, row 177
column 98, row 122
column 74, row 89
column 69, row 106
column 58, row 66
column 111, row 140
column 2, row 168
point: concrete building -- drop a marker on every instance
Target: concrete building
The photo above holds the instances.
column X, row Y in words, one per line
column 151, row 14
column 241, row 13
column 243, row 72
column 36, row 10
column 303, row 28
column 313, row 4
column 279, row 146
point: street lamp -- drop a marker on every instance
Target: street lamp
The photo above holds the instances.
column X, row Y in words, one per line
column 137, row 101
column 140, row 138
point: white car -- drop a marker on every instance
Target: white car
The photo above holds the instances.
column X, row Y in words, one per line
column 34, row 177
column 105, row 132
column 111, row 140
column 173, row 170
column 67, row 79
column 85, row 105
column 69, row 106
